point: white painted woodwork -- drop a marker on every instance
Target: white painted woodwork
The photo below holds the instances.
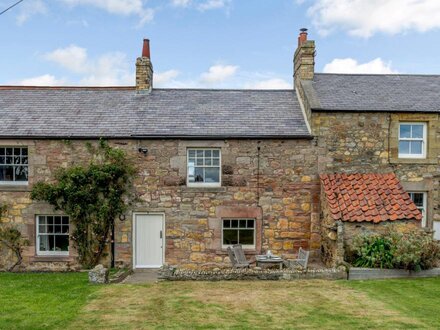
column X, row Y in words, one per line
column 149, row 240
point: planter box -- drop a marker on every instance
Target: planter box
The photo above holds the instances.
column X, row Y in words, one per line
column 356, row 273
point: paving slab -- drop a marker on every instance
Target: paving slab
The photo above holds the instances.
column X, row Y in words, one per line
column 142, row 276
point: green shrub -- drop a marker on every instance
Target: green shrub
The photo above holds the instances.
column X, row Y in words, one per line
column 414, row 250
column 373, row 251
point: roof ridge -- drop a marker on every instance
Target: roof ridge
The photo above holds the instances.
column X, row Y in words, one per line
column 378, row 74
column 19, row 87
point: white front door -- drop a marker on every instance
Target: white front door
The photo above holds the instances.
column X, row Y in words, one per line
column 148, row 246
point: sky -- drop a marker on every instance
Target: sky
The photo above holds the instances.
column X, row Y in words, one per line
column 212, row 43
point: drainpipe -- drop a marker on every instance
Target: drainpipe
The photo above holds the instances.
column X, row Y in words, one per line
column 112, row 263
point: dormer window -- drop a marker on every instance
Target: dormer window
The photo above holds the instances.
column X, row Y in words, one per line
column 412, row 140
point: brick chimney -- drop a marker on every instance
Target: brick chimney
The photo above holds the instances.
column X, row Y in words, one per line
column 144, row 70
column 304, row 58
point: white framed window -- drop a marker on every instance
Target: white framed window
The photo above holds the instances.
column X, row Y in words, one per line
column 203, row 167
column 14, row 165
column 238, row 231
column 52, row 235
column 412, row 140
column 420, row 199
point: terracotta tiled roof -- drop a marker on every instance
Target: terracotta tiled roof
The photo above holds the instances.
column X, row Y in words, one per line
column 368, row 197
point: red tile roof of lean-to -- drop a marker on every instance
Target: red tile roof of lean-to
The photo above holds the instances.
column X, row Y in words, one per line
column 368, row 197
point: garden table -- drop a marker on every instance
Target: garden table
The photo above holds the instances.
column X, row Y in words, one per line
column 265, row 259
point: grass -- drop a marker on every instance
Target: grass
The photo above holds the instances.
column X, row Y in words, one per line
column 53, row 301
column 42, row 300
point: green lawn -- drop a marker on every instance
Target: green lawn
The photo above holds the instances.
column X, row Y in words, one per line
column 56, row 301
column 42, row 301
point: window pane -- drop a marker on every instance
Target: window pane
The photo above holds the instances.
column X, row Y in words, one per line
column 50, row 229
column 417, row 199
column 247, row 236
column 42, row 229
column 208, row 161
column 66, row 220
column 198, row 174
column 405, row 131
column 416, row 147
column 212, row 174
column 2, row 151
column 24, row 151
column 250, row 223
column 216, row 153
column 49, row 220
column 21, row 173
column 2, row 159
column 230, row 236
column 24, row 159
column 403, row 147
column 192, row 153
column 226, row 223
column 243, row 223
column 42, row 220
column 417, row 131
column 199, row 153
column 208, row 153
column 216, row 162
column 199, row 162
column 6, row 173
column 65, row 229
column 44, row 243
column 9, row 159
column 61, row 243
column 234, row 223
column 17, row 151
column 17, row 159
column 8, row 151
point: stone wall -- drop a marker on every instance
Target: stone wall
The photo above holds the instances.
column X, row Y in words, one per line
column 366, row 142
column 283, row 197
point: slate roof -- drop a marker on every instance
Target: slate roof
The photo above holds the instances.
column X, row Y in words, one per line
column 121, row 112
column 368, row 92
column 368, row 197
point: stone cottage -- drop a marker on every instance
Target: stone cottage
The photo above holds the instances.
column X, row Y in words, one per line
column 218, row 167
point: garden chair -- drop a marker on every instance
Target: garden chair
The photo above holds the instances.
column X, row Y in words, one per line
column 237, row 257
column 302, row 259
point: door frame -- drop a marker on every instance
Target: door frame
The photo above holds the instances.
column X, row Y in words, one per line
column 133, row 244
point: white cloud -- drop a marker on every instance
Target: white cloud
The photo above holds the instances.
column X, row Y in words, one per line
column 165, row 78
column 364, row 18
column 118, row 7
column 349, row 65
column 181, row 3
column 218, row 73
column 107, row 70
column 213, row 4
column 30, row 8
column 273, row 83
column 73, row 58
column 44, row 80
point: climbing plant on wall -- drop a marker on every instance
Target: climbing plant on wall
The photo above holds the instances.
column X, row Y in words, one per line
column 93, row 196
column 11, row 238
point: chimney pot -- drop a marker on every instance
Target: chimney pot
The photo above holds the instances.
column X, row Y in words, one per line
column 302, row 38
column 146, row 48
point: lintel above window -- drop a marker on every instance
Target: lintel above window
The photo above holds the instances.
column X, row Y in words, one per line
column 203, row 167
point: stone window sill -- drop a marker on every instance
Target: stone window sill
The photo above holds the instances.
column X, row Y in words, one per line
column 247, row 252
column 203, row 189
column 18, row 187
column 52, row 258
column 420, row 161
